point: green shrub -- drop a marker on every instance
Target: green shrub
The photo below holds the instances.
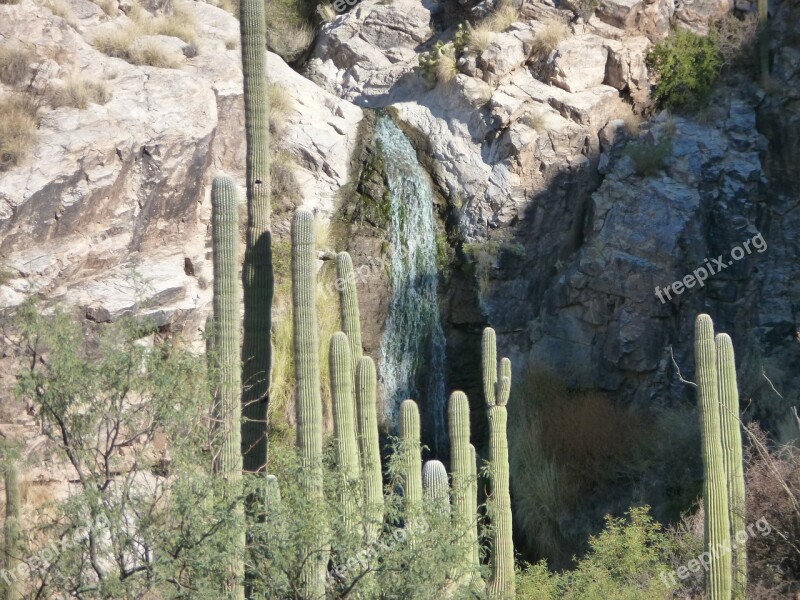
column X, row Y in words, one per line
column 649, row 159
column 686, row 66
column 624, row 562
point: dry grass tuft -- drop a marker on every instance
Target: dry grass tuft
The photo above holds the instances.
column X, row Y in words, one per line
column 504, row 16
column 446, row 67
column 78, row 92
column 110, row 7
column 231, row 43
column 17, row 130
column 63, row 10
column 120, row 43
column 480, row 37
column 280, row 101
column 550, row 37
column 15, row 64
column 291, row 41
column 9, row 1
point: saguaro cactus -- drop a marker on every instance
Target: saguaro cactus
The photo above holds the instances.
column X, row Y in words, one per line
column 348, row 295
column 435, row 487
column 463, row 466
column 715, row 493
column 369, row 447
column 308, row 400
column 763, row 39
column 473, row 507
column 732, row 455
column 257, row 273
column 496, row 391
column 13, row 533
column 344, row 429
column 411, row 458
column 225, row 240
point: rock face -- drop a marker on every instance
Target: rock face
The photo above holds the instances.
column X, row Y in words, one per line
column 111, row 210
column 112, row 205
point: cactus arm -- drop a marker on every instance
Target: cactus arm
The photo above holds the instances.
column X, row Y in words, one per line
column 732, row 454
column 351, row 317
column 715, row 493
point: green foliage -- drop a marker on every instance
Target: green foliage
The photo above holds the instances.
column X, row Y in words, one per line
column 686, row 65
column 102, row 398
column 650, row 159
column 625, row 561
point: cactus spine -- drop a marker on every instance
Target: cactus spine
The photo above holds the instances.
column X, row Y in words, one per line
column 13, row 533
column 411, row 458
column 496, row 391
column 369, row 447
column 344, row 429
column 715, row 493
column 463, row 466
column 732, row 454
column 308, row 401
column 257, row 276
column 435, row 487
column 225, row 239
column 351, row 317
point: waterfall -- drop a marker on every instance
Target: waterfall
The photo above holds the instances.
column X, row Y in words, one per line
column 412, row 352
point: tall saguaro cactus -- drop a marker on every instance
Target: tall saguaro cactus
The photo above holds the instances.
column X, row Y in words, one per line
column 344, row 429
column 308, row 399
column 473, row 508
column 351, row 317
column 463, row 465
column 715, row 492
column 732, row 454
column 257, row 273
column 12, row 529
column 366, row 399
column 411, row 458
column 496, row 391
column 225, row 240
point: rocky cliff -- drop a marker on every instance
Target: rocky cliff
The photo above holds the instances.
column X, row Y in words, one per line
column 554, row 234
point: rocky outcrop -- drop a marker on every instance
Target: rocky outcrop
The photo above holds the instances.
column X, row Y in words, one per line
column 111, row 209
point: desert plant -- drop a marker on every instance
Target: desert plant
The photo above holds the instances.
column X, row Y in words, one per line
column 732, row 454
column 78, row 91
column 479, row 37
column 17, row 130
column 366, row 382
column 463, row 465
column 307, row 374
column 496, row 389
column 225, row 244
column 344, row 432
column 715, row 493
column 763, row 39
column 736, row 39
column 13, row 550
column 411, row 461
column 649, row 159
column 545, row 41
column 504, row 15
column 15, row 63
column 686, row 65
column 435, row 486
column 257, row 273
column 63, row 10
